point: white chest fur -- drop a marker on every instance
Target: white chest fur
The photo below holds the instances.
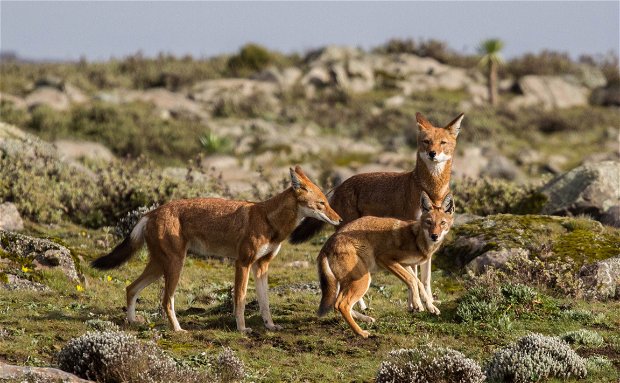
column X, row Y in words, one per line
column 267, row 249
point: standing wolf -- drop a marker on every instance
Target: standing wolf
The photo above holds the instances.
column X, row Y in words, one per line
column 397, row 195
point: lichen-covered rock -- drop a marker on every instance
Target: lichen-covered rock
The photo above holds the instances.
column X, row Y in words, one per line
column 601, row 280
column 591, row 189
column 37, row 253
column 580, row 240
column 36, row 374
column 13, row 282
column 534, row 358
column 10, row 219
column 494, row 258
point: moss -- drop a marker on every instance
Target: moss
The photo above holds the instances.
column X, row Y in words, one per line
column 584, row 245
column 4, row 278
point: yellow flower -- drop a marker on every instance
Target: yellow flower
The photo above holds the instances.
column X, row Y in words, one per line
column 109, row 278
column 79, row 288
column 25, row 269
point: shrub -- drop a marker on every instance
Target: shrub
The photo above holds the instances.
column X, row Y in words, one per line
column 101, row 325
column 253, row 58
column 598, row 363
column 583, row 337
column 489, row 196
column 544, row 63
column 429, row 364
column 125, row 225
column 533, row 358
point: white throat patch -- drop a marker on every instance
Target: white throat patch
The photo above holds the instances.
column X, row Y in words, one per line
column 436, row 165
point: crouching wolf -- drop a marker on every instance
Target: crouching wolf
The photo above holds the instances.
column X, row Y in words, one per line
column 249, row 232
column 348, row 257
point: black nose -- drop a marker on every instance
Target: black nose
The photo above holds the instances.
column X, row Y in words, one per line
column 434, row 237
column 432, row 154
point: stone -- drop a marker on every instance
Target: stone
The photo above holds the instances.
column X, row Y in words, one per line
column 16, row 102
column 606, row 96
column 601, row 280
column 494, row 258
column 37, row 374
column 236, row 93
column 79, row 150
column 549, row 92
column 47, row 254
column 591, row 189
column 48, row 96
column 10, row 219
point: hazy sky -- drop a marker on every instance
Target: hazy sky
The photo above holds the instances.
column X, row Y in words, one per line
column 99, row 30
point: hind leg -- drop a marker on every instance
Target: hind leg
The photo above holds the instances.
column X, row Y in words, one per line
column 260, row 268
column 350, row 292
column 172, row 274
column 151, row 273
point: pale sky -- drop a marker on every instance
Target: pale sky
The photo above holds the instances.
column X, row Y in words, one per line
column 100, row 30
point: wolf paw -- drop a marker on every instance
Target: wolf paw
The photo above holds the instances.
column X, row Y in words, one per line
column 273, row 327
column 432, row 309
column 364, row 334
column 245, row 330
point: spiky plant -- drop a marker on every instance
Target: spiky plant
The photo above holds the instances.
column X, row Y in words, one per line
column 491, row 59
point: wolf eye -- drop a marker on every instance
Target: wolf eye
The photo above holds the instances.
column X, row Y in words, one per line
column 321, row 203
column 427, row 142
column 428, row 221
column 443, row 142
column 443, row 223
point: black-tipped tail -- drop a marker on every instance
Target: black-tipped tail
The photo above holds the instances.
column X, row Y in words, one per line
column 308, row 228
column 329, row 286
column 121, row 254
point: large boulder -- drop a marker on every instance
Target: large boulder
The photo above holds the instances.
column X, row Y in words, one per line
column 606, row 96
column 592, row 189
column 50, row 97
column 36, row 253
column 237, row 93
column 10, row 220
column 549, row 92
column 493, row 240
column 601, row 280
column 79, row 150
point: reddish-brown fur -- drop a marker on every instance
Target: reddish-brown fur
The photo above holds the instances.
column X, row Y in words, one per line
column 348, row 257
column 250, row 233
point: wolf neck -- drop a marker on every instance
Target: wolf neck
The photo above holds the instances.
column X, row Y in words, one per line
column 433, row 178
column 281, row 213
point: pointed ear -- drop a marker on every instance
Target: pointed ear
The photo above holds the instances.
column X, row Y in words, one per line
column 448, row 204
column 425, row 202
column 295, row 181
column 455, row 126
column 422, row 121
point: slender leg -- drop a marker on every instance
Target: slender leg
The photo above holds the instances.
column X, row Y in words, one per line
column 260, row 269
column 350, row 292
column 413, row 298
column 171, row 276
column 241, row 286
column 426, row 278
column 411, row 281
column 151, row 273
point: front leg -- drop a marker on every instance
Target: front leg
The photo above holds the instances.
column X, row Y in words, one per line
column 260, row 269
column 413, row 299
column 241, row 284
column 410, row 280
column 425, row 269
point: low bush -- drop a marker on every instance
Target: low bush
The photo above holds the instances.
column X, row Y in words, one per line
column 534, row 358
column 583, row 337
column 429, row 364
column 125, row 225
column 114, row 356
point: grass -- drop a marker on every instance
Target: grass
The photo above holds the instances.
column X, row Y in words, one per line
column 307, row 349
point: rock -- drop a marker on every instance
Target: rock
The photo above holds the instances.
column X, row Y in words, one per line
column 591, row 76
column 497, row 238
column 79, row 150
column 174, row 103
column 549, row 92
column 75, row 94
column 590, row 189
column 494, row 258
column 601, row 280
column 608, row 96
column 47, row 254
column 37, row 374
column 219, row 162
column 476, row 162
column 10, row 220
column 16, row 283
column 333, row 53
column 284, row 78
column 501, row 167
column 16, row 102
column 217, row 95
column 48, row 96
column 394, row 102
column 404, row 65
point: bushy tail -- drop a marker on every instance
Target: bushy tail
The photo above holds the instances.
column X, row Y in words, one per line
column 308, row 228
column 124, row 250
column 329, row 286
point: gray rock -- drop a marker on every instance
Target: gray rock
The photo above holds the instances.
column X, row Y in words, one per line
column 591, row 189
column 549, row 92
column 608, row 96
column 78, row 150
column 236, row 92
column 10, row 219
column 37, row 374
column 48, row 96
column 601, row 280
column 494, row 258
column 45, row 253
column 16, row 102
column 16, row 283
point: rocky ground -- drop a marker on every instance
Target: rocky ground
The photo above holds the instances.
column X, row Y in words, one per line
column 537, row 185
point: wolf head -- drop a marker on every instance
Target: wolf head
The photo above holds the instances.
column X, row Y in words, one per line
column 436, row 145
column 436, row 220
column 311, row 202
